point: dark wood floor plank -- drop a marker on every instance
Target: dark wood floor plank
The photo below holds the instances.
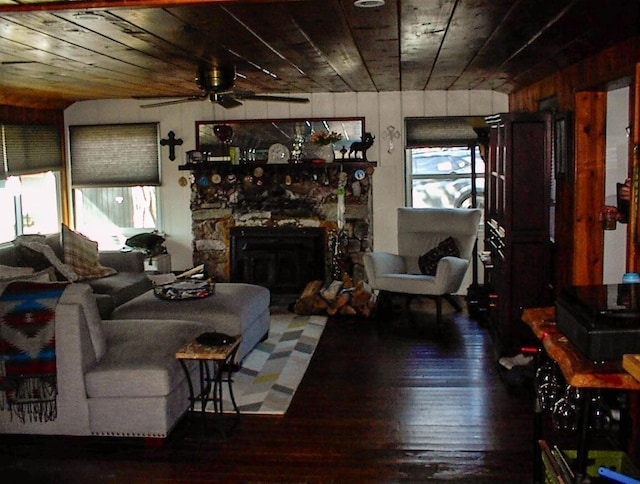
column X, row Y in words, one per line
column 379, row 403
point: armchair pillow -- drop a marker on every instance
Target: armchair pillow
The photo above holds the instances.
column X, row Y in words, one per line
column 428, row 262
column 81, row 253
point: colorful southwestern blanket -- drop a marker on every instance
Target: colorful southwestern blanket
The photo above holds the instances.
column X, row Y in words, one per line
column 28, row 383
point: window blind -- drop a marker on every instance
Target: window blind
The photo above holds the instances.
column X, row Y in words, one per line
column 30, row 149
column 114, row 155
column 443, row 131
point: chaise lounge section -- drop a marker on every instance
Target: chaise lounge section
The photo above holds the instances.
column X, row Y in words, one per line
column 114, row 378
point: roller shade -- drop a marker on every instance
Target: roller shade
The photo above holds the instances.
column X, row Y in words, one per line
column 115, row 155
column 30, row 149
column 443, row 131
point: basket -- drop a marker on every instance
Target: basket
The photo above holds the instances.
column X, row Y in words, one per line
column 181, row 290
column 612, row 459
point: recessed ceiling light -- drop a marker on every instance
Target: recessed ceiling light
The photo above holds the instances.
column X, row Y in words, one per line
column 368, row 3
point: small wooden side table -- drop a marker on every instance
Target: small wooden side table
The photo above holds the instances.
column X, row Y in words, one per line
column 211, row 377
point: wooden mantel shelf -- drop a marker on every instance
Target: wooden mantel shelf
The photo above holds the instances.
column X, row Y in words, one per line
column 217, row 165
column 577, row 370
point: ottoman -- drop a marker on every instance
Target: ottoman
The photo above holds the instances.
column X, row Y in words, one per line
column 235, row 309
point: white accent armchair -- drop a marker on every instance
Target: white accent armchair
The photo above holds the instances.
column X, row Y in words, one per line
column 420, row 230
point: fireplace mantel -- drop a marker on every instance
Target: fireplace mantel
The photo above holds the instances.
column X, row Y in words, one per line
column 214, row 166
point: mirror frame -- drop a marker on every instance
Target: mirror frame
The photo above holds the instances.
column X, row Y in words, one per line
column 252, row 138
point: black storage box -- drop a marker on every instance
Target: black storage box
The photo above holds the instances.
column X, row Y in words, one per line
column 603, row 322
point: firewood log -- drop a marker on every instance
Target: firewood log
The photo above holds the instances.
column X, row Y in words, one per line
column 339, row 301
column 319, row 305
column 307, row 300
column 362, row 294
column 311, row 289
column 365, row 310
column 347, row 310
column 347, row 282
column 331, row 291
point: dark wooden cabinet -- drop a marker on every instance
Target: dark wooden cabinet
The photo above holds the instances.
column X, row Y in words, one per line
column 518, row 261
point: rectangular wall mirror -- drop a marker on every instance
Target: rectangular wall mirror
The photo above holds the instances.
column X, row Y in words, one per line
column 276, row 140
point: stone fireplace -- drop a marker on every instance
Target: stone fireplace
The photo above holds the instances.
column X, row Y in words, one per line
column 276, row 224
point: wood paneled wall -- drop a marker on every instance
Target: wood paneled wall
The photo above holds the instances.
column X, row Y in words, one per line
column 22, row 115
column 578, row 237
column 589, row 182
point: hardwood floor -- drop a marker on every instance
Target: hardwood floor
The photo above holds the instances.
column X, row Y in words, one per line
column 377, row 404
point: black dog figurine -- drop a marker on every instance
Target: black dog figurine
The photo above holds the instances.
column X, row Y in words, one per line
column 362, row 146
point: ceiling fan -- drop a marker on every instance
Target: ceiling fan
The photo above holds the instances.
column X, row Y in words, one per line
column 216, row 83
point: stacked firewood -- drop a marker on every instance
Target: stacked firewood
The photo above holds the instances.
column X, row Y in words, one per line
column 337, row 298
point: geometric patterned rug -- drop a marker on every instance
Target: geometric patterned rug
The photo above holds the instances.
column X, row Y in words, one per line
column 271, row 372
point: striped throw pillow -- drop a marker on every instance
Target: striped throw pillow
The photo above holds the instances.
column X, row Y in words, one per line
column 81, row 253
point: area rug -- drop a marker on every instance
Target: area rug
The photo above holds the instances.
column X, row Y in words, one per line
column 271, row 372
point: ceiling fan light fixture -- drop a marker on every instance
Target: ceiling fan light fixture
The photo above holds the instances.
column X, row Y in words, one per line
column 368, row 3
column 88, row 16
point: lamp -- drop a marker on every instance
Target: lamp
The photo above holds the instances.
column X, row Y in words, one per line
column 368, row 3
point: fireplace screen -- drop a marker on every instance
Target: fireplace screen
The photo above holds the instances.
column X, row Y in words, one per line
column 280, row 258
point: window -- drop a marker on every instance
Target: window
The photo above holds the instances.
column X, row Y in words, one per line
column 115, row 170
column 31, row 159
column 443, row 163
column 443, row 177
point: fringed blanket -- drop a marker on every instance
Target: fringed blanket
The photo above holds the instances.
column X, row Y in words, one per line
column 28, row 384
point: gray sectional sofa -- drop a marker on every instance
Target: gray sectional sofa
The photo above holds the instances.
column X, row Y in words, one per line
column 119, row 376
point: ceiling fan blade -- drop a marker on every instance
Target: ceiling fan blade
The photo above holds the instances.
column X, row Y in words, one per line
column 282, row 99
column 226, row 101
column 175, row 101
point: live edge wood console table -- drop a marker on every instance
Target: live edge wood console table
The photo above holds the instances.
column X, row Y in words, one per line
column 578, row 372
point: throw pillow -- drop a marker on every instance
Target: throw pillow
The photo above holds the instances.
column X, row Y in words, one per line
column 27, row 257
column 34, row 248
column 428, row 262
column 81, row 253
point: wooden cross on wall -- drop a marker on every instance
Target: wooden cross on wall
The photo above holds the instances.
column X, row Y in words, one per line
column 172, row 142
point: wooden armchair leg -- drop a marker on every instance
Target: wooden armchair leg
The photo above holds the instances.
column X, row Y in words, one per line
column 452, row 300
column 438, row 313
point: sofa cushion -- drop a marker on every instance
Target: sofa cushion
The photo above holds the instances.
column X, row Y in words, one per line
column 33, row 251
column 82, row 295
column 140, row 359
column 81, row 253
column 122, row 286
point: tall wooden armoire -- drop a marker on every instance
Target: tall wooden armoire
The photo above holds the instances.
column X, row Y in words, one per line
column 518, row 265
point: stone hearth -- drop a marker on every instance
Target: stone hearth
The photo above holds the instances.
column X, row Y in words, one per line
column 225, row 197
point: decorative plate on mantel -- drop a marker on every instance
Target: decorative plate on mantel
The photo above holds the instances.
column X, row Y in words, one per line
column 278, row 153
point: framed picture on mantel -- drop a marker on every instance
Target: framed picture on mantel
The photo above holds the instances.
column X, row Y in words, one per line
column 280, row 140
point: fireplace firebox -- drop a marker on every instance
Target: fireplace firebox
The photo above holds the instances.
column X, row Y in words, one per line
column 283, row 259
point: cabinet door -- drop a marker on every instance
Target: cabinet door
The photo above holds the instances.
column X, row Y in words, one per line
column 528, row 177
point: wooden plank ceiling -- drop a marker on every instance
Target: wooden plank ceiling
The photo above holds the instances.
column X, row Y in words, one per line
column 55, row 53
